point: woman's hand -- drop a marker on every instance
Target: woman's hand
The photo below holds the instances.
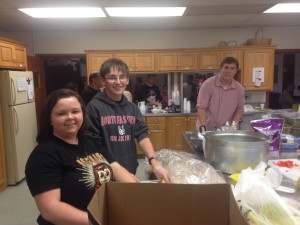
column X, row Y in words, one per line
column 123, row 175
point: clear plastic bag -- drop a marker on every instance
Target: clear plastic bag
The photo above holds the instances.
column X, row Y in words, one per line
column 259, row 201
column 184, row 168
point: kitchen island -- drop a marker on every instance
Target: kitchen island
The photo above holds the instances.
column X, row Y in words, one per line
column 275, row 155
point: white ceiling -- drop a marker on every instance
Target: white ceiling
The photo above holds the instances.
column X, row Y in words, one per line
column 199, row 14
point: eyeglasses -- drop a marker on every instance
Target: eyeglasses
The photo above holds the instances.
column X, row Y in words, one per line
column 113, row 78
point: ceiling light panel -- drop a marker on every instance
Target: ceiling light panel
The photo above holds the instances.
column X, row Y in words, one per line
column 284, row 8
column 144, row 11
column 74, row 12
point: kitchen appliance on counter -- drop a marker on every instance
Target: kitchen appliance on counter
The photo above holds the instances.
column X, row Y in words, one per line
column 229, row 151
column 233, row 151
column 19, row 121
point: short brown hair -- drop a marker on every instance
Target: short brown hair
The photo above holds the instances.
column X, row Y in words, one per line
column 230, row 60
column 92, row 76
column 113, row 63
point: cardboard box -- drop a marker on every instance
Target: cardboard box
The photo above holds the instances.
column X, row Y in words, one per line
column 164, row 204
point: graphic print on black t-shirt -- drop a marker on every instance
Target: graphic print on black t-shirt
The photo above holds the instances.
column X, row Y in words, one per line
column 95, row 170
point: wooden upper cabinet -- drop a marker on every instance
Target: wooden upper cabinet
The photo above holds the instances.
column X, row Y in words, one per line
column 136, row 61
column 128, row 58
column 256, row 59
column 12, row 55
column 167, row 61
column 177, row 61
column 139, row 61
column 94, row 60
column 238, row 54
column 187, row 61
column 209, row 59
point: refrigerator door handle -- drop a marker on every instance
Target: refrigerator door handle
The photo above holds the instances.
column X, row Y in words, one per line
column 13, row 92
column 15, row 120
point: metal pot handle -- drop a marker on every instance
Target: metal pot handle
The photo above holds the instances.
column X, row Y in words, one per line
column 202, row 129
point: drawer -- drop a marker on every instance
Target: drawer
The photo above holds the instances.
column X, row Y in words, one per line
column 155, row 120
column 156, row 126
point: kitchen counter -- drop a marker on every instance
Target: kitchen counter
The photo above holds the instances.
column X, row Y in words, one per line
column 198, row 152
column 170, row 114
column 196, row 114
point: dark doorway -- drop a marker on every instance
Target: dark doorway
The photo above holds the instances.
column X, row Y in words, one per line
column 64, row 72
column 288, row 69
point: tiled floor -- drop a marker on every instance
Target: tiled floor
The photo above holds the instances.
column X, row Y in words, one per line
column 17, row 206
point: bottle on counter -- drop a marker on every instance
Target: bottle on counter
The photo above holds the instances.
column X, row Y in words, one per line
column 233, row 126
column 227, row 126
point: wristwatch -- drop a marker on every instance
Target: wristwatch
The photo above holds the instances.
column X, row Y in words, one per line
column 150, row 159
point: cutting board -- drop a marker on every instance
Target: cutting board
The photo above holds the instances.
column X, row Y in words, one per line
column 292, row 172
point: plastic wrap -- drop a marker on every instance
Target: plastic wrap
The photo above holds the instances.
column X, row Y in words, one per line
column 184, row 168
column 259, row 201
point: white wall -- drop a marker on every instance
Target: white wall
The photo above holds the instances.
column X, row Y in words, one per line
column 75, row 42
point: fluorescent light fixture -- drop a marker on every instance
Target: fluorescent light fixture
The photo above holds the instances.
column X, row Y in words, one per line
column 145, row 11
column 284, row 8
column 73, row 12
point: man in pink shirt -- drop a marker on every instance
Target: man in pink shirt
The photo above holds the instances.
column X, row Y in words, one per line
column 221, row 98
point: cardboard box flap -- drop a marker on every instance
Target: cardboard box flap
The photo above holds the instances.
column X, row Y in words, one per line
column 97, row 209
column 162, row 204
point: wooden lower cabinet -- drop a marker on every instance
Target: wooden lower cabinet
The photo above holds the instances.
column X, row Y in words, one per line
column 175, row 126
column 166, row 132
column 157, row 132
column 3, row 180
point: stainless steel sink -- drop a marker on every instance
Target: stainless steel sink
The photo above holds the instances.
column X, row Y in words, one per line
column 194, row 140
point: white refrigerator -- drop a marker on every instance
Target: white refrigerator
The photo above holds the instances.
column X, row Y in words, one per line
column 19, row 121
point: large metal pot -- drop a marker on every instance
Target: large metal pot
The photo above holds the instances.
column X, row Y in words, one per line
column 233, row 151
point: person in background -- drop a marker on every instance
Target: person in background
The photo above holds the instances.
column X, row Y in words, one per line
column 151, row 92
column 115, row 121
column 67, row 167
column 286, row 98
column 72, row 85
column 164, row 96
column 138, row 89
column 221, row 98
column 190, row 88
column 95, row 85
